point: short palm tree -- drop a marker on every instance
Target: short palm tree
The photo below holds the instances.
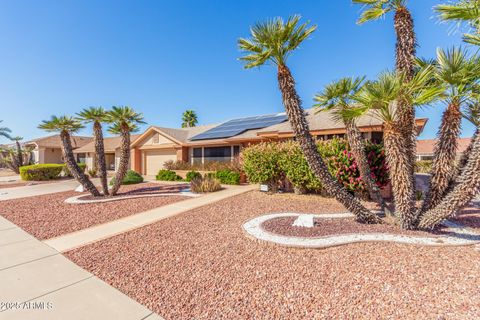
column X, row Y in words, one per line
column 5, row 132
column 472, row 114
column 97, row 115
column 17, row 159
column 337, row 97
column 404, row 60
column 459, row 73
column 274, row 41
column 189, row 119
column 379, row 98
column 124, row 121
column 464, row 11
column 66, row 126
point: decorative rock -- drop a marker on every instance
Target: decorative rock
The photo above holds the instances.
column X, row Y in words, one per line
column 304, row 220
column 80, row 188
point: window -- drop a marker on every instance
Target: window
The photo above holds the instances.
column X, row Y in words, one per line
column 197, row 155
column 217, row 153
column 236, row 151
column 377, row 137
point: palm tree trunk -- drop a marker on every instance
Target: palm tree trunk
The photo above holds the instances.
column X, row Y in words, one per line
column 73, row 166
column 124, row 160
column 357, row 145
column 400, row 176
column 465, row 190
column 466, row 154
column 443, row 166
column 296, row 116
column 100, row 156
column 405, row 57
column 19, row 154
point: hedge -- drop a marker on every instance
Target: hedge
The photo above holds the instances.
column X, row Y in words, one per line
column 228, row 176
column 167, row 175
column 41, row 172
column 131, row 177
column 67, row 173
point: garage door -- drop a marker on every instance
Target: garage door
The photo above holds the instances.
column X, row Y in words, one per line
column 156, row 158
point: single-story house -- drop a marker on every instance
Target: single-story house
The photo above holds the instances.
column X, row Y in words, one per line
column 112, row 151
column 425, row 148
column 49, row 149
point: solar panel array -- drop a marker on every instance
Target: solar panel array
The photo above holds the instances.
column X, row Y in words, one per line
column 237, row 126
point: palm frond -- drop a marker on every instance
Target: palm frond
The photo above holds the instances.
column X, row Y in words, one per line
column 62, row 123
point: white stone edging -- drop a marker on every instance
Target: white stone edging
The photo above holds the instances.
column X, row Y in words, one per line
column 254, row 228
column 77, row 200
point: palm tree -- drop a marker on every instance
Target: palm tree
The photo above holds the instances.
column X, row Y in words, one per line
column 5, row 132
column 404, row 61
column 464, row 11
column 274, row 41
column 472, row 114
column 379, row 98
column 17, row 158
column 459, row 73
column 97, row 115
column 67, row 125
column 124, row 121
column 337, row 97
column 189, row 119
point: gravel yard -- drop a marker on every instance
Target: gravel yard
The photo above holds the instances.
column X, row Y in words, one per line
column 201, row 265
column 49, row 216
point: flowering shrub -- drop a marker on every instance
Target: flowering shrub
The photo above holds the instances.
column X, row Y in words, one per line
column 207, row 166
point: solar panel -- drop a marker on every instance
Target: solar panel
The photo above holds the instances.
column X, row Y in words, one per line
column 237, row 126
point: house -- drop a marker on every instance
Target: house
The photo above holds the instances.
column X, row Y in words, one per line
column 49, row 149
column 425, row 148
column 112, row 151
column 223, row 142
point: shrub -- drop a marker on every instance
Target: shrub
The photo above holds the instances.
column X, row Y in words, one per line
column 92, row 173
column 41, row 172
column 167, row 175
column 67, row 172
column 205, row 184
column 131, row 177
column 228, row 176
column 423, row 166
column 207, row 166
column 191, row 175
column 261, row 163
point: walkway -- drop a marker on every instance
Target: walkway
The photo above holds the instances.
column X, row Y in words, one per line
column 37, row 282
column 109, row 229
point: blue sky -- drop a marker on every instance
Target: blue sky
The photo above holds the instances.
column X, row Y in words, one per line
column 162, row 57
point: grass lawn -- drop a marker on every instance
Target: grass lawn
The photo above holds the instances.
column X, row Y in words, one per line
column 201, row 265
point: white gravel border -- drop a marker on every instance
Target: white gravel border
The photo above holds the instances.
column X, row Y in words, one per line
column 77, row 200
column 254, row 228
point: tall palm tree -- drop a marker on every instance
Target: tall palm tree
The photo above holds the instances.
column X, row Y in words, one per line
column 189, row 119
column 337, row 97
column 274, row 41
column 464, row 11
column 124, row 121
column 17, row 158
column 97, row 115
column 66, row 126
column 404, row 60
column 5, row 132
column 379, row 98
column 459, row 73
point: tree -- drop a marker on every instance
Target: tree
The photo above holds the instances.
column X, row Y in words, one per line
column 459, row 74
column 124, row 121
column 189, row 119
column 337, row 97
column 405, row 50
column 17, row 156
column 464, row 11
column 97, row 115
column 380, row 97
column 66, row 126
column 5, row 132
column 274, row 41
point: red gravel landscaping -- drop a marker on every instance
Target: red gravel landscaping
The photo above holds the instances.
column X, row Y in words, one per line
column 49, row 216
column 201, row 265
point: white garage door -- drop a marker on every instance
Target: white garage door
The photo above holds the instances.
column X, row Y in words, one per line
column 156, row 158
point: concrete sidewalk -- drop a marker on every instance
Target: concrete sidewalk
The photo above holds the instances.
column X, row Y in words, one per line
column 37, row 282
column 80, row 238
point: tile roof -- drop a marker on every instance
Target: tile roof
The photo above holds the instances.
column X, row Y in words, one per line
column 54, row 141
column 426, row 147
column 110, row 144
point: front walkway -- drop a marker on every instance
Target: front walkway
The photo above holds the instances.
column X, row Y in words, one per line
column 106, row 230
column 38, row 190
column 37, row 282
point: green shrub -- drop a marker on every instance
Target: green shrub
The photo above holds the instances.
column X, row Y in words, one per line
column 131, row 177
column 191, row 175
column 167, row 175
column 67, row 173
column 228, row 176
column 207, row 166
column 92, row 173
column 261, row 163
column 41, row 172
column 205, row 184
column 423, row 166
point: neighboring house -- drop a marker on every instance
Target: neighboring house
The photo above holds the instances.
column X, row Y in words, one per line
column 112, row 151
column 425, row 148
column 224, row 142
column 49, row 149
